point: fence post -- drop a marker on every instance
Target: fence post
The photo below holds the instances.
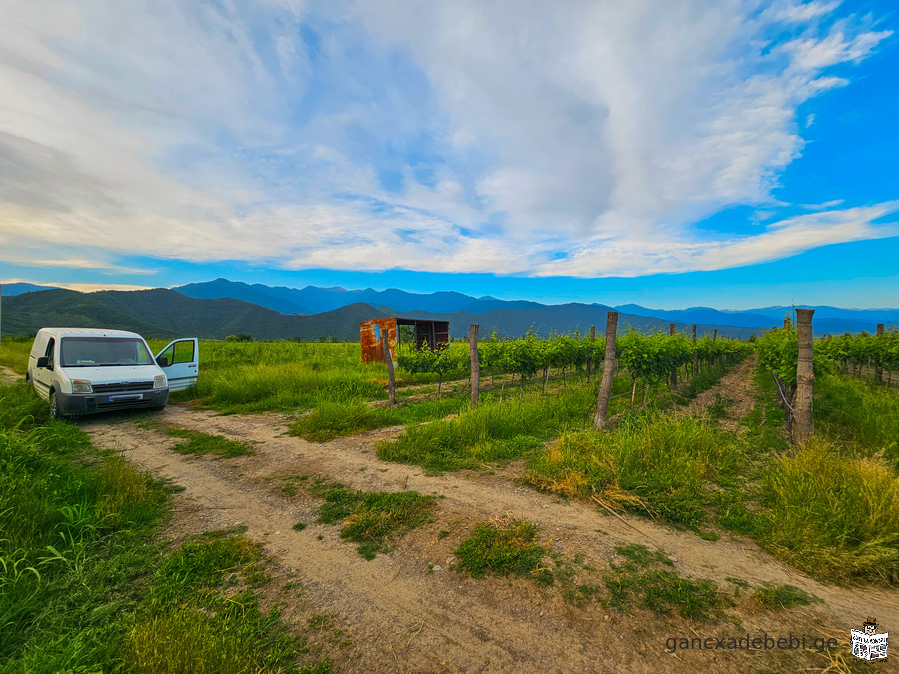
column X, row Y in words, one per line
column 671, row 331
column 475, row 364
column 590, row 360
column 805, row 376
column 388, row 358
column 608, row 371
column 879, row 371
column 695, row 357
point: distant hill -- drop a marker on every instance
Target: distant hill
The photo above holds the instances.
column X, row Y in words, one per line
column 281, row 313
column 313, row 300
column 13, row 289
column 562, row 318
column 166, row 313
column 827, row 319
column 256, row 294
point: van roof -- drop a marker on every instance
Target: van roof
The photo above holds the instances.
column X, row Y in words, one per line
column 87, row 332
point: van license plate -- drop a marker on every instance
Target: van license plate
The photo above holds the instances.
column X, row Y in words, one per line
column 130, row 396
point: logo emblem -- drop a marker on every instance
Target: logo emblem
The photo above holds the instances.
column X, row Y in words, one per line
column 868, row 644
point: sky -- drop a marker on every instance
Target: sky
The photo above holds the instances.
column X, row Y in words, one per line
column 726, row 153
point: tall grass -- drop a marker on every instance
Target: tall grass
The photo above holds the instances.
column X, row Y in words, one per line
column 650, row 463
column 14, row 352
column 835, row 517
column 83, row 587
column 71, row 529
column 246, row 377
column 331, row 420
column 859, row 412
column 498, row 430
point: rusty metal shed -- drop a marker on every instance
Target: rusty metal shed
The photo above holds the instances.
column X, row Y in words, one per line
column 434, row 334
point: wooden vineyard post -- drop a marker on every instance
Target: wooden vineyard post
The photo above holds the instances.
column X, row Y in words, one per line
column 695, row 357
column 803, row 424
column 671, row 331
column 388, row 358
column 590, row 360
column 879, row 371
column 475, row 364
column 608, row 371
column 714, row 339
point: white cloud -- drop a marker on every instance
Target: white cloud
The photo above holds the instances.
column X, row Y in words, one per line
column 781, row 239
column 603, row 130
column 802, row 12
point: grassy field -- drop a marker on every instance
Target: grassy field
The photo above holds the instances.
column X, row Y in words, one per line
column 830, row 508
column 85, row 583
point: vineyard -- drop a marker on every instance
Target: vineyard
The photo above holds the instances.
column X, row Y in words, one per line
column 649, row 359
column 482, row 489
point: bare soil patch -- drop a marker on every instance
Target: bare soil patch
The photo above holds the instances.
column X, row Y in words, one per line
column 738, row 391
column 9, row 376
column 408, row 611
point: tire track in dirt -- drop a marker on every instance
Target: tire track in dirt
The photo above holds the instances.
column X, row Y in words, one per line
column 403, row 618
column 9, row 376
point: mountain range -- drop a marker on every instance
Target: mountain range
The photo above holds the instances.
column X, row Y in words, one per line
column 219, row 308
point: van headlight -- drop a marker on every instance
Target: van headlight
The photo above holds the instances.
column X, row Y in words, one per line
column 81, row 386
column 159, row 381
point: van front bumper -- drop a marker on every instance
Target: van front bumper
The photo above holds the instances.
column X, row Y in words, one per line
column 89, row 403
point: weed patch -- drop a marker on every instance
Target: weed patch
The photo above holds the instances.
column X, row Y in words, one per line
column 650, row 463
column 372, row 519
column 718, row 408
column 204, row 443
column 648, row 575
column 778, row 597
column 504, row 546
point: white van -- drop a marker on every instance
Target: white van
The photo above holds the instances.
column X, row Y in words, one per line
column 83, row 370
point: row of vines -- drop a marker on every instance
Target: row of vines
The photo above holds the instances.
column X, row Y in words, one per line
column 854, row 353
column 650, row 358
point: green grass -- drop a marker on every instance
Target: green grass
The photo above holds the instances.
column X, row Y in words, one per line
column 204, row 443
column 779, row 597
column 648, row 575
column 248, row 377
column 372, row 519
column 334, row 419
column 834, row 516
column 190, row 625
column 14, row 352
column 860, row 414
column 502, row 547
column 650, row 463
column 84, row 587
column 500, row 429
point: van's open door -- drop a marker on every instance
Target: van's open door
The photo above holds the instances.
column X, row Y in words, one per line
column 183, row 356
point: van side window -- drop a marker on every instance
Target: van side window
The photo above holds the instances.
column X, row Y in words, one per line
column 51, row 345
column 180, row 352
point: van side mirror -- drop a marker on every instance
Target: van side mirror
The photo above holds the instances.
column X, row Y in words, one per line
column 162, row 361
column 43, row 361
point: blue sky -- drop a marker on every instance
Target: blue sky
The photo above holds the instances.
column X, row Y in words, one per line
column 727, row 153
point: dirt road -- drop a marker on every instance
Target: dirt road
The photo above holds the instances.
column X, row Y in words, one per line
column 407, row 611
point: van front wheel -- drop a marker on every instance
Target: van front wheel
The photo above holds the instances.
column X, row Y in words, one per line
column 54, row 407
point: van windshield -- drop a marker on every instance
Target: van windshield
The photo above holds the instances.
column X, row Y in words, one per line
column 103, row 351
